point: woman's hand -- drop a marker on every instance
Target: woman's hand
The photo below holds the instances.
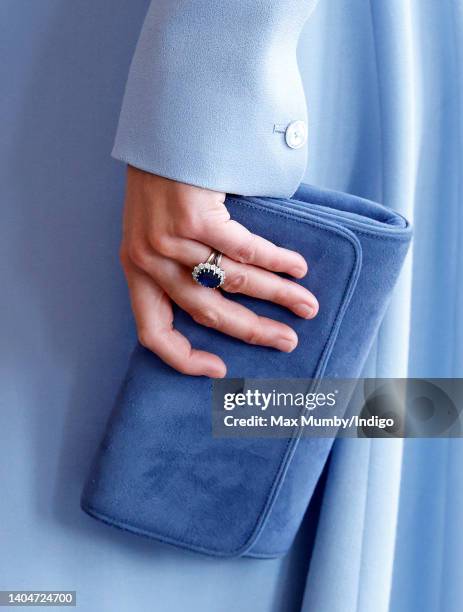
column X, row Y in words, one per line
column 169, row 227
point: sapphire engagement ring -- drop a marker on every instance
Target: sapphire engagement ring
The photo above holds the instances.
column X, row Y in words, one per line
column 210, row 274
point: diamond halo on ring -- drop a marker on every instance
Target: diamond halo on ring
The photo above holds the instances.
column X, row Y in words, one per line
column 210, row 274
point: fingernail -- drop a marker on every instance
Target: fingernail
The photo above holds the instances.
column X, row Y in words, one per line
column 218, row 372
column 299, row 272
column 217, row 375
column 303, row 310
column 286, row 344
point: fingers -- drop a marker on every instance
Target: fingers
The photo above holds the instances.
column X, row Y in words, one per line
column 233, row 239
column 212, row 309
column 154, row 318
column 161, row 217
column 207, row 221
column 253, row 281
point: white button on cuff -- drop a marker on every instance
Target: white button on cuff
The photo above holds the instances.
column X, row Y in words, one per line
column 296, row 134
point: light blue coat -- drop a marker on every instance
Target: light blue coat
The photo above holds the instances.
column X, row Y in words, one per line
column 214, row 96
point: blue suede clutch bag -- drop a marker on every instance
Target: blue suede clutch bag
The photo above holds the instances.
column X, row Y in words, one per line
column 160, row 473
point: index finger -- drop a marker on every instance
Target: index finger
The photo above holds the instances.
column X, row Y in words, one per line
column 233, row 239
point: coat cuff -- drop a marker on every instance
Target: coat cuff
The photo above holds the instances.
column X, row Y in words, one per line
column 214, row 96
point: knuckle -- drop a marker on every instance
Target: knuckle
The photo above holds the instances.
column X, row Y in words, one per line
column 188, row 224
column 245, row 252
column 253, row 334
column 138, row 254
column 207, row 317
column 237, row 282
column 276, row 263
column 281, row 295
column 146, row 337
column 162, row 244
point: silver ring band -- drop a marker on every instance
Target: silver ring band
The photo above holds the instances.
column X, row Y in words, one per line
column 215, row 258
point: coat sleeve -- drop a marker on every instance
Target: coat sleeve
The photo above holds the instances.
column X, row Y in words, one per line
column 214, row 96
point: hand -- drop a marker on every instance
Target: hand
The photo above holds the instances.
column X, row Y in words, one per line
column 169, row 227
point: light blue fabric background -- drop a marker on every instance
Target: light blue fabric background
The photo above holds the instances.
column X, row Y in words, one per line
column 383, row 80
